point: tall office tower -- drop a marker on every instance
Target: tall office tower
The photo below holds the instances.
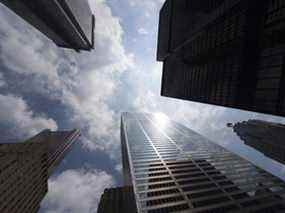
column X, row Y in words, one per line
column 263, row 136
column 58, row 144
column 173, row 169
column 224, row 52
column 69, row 23
column 25, row 168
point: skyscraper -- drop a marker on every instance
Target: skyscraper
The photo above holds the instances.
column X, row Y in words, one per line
column 263, row 136
column 69, row 23
column 173, row 169
column 228, row 53
column 25, row 168
column 58, row 144
column 120, row 199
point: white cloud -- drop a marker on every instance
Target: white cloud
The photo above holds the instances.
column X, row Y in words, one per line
column 23, row 49
column 15, row 113
column 142, row 31
column 76, row 191
column 148, row 5
column 83, row 82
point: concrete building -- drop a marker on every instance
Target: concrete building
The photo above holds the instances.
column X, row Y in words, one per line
column 26, row 167
column 227, row 53
column 173, row 169
column 68, row 23
column 265, row 137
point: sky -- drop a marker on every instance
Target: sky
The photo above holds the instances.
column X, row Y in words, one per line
column 46, row 87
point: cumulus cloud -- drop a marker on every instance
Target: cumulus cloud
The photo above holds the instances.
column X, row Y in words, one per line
column 148, row 6
column 76, row 191
column 16, row 115
column 83, row 82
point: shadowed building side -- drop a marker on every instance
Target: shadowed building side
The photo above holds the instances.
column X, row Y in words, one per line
column 125, row 159
column 227, row 53
column 115, row 200
column 25, row 169
column 57, row 143
column 23, row 177
column 266, row 137
column 68, row 23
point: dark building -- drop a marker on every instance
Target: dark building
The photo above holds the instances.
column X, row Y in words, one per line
column 228, row 53
column 263, row 136
column 26, row 167
column 120, row 199
column 69, row 23
column 173, row 169
column 57, row 143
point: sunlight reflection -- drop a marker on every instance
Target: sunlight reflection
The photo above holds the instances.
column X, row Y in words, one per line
column 161, row 119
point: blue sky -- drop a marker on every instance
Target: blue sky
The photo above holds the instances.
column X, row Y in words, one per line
column 43, row 86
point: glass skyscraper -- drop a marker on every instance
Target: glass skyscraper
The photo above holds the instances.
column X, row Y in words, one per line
column 174, row 169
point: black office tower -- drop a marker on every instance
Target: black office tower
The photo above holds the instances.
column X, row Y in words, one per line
column 69, row 23
column 266, row 137
column 224, row 52
column 25, row 169
column 57, row 145
column 117, row 200
column 173, row 169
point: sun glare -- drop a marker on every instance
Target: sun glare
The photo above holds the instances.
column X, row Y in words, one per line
column 161, row 119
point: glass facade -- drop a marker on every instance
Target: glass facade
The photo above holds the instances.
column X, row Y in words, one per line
column 174, row 169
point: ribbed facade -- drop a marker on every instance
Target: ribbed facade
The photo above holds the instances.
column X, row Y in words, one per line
column 120, row 199
column 57, row 143
column 265, row 137
column 23, row 177
column 228, row 53
column 25, row 169
column 173, row 169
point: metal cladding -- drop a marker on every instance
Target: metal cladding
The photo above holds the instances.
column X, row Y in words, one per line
column 69, row 23
column 228, row 53
column 263, row 136
column 173, row 169
column 26, row 167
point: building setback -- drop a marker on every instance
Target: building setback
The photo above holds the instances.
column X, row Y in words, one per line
column 173, row 169
column 69, row 23
column 26, row 167
column 263, row 136
column 228, row 53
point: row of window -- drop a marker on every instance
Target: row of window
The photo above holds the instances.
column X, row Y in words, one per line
column 275, row 5
column 217, row 36
column 214, row 82
column 269, row 81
